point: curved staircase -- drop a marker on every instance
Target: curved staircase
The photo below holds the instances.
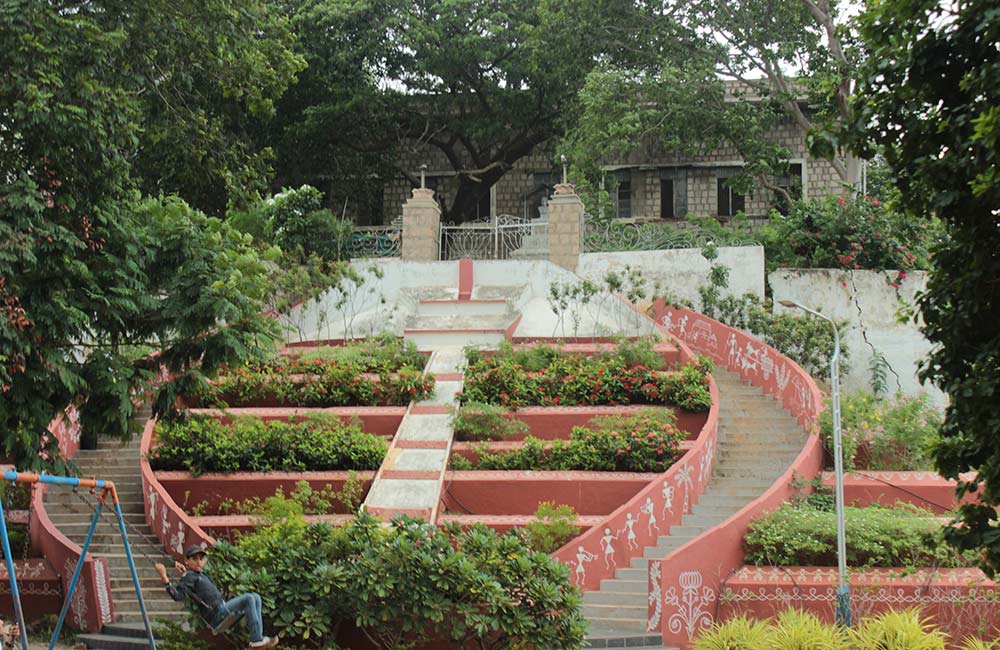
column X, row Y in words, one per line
column 757, row 442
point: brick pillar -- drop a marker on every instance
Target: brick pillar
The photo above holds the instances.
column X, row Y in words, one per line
column 421, row 224
column 565, row 222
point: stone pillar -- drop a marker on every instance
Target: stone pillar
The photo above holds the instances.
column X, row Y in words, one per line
column 421, row 227
column 565, row 227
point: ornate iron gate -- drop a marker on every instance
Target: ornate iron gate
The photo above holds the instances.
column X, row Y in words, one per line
column 504, row 237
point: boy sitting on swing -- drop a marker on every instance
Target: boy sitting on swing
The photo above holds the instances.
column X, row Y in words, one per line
column 214, row 609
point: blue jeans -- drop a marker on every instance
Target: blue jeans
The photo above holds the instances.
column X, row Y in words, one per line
column 248, row 605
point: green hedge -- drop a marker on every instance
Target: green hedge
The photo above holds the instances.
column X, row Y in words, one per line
column 801, row 535
column 550, row 377
column 647, row 441
column 320, row 443
column 406, row 581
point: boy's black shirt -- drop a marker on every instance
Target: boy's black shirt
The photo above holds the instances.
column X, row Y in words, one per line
column 200, row 588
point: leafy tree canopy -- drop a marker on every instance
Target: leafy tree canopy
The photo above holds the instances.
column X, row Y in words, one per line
column 929, row 98
column 481, row 82
column 788, row 60
column 88, row 269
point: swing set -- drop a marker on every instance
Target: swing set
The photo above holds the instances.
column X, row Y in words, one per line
column 107, row 488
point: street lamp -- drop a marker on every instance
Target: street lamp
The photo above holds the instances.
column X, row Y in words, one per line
column 843, row 591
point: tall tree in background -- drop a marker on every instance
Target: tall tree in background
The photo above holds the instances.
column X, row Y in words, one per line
column 792, row 60
column 88, row 270
column 930, row 97
column 482, row 82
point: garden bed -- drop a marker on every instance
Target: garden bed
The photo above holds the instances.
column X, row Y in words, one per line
column 556, row 422
column 382, row 421
column 202, row 443
column 629, row 373
column 384, row 371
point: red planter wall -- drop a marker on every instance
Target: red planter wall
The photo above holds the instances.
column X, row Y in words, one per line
column 923, row 489
column 960, row 601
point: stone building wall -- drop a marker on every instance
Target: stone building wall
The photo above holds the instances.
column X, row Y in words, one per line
column 695, row 178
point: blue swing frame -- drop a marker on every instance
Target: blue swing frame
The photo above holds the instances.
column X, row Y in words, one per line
column 107, row 488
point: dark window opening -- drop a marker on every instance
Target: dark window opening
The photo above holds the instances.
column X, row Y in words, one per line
column 667, row 199
column 730, row 201
column 483, row 208
column 791, row 183
column 624, row 198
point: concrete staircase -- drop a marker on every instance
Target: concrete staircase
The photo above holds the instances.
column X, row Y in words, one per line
column 72, row 515
column 758, row 440
column 481, row 318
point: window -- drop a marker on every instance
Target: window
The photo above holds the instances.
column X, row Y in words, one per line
column 667, row 198
column 730, row 202
column 623, row 197
column 791, row 183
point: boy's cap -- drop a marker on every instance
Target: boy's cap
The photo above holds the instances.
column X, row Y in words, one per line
column 195, row 549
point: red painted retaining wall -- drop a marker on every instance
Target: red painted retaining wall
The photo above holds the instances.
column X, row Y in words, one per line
column 923, row 489
column 213, row 488
column 40, row 588
column 520, row 492
column 685, row 585
column 960, row 601
column 90, row 606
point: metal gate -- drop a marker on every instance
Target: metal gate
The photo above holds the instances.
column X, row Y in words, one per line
column 500, row 238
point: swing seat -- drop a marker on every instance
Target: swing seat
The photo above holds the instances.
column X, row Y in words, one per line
column 225, row 624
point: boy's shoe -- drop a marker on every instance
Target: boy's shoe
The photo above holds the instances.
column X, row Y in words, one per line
column 266, row 642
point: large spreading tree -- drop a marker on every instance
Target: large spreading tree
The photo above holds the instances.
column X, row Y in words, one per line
column 930, row 97
column 94, row 278
column 480, row 82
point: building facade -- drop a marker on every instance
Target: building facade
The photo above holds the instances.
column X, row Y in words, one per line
column 650, row 183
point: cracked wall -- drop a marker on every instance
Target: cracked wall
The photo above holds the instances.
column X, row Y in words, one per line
column 869, row 302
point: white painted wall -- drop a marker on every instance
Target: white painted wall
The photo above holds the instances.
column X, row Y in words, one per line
column 682, row 271
column 379, row 304
column 868, row 301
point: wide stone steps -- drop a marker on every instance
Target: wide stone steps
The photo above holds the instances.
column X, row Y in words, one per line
column 72, row 515
column 757, row 441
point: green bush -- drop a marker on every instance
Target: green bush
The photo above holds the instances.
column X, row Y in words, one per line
column 799, row 535
column 805, row 339
column 798, row 630
column 339, row 380
column 544, row 376
column 740, row 633
column 898, row 630
column 838, row 233
column 476, row 421
column 899, row 432
column 647, row 441
column 553, row 527
column 200, row 443
column 382, row 353
column 407, row 581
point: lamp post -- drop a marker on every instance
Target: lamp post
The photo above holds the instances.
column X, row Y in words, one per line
column 843, row 591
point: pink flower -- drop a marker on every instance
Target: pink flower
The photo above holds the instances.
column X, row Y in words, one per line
column 841, row 201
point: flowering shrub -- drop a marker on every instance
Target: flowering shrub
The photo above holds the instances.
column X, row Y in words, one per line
column 897, row 433
column 843, row 233
column 321, row 443
column 573, row 380
column 476, row 421
column 318, row 383
column 647, row 441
